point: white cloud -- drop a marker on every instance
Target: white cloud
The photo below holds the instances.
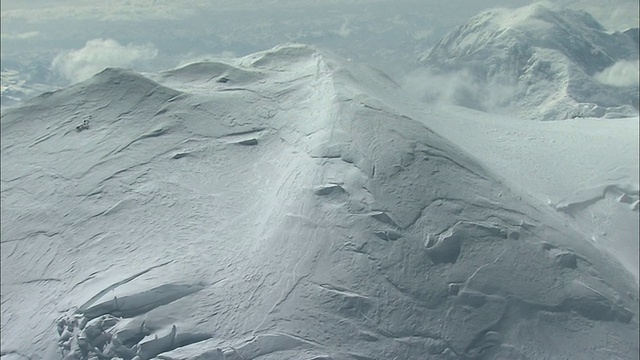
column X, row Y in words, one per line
column 345, row 30
column 622, row 73
column 458, row 88
column 422, row 34
column 20, row 36
column 97, row 54
column 131, row 10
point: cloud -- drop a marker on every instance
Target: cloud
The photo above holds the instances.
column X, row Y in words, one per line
column 130, row 10
column 97, row 54
column 621, row 74
column 345, row 30
column 458, row 88
column 20, row 36
column 422, row 34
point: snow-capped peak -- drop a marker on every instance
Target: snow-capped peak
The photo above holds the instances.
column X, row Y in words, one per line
column 549, row 57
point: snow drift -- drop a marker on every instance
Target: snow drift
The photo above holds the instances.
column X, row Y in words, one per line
column 279, row 207
column 538, row 61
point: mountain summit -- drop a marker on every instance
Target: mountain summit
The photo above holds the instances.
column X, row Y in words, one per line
column 541, row 62
column 279, row 206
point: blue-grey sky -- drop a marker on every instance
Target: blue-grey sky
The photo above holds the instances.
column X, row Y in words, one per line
column 75, row 37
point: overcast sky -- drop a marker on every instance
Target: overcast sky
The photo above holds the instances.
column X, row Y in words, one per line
column 74, row 37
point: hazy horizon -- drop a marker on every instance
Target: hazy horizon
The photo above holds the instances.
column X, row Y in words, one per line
column 151, row 35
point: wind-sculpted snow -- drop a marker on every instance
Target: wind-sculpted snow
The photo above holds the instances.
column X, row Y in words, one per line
column 539, row 62
column 295, row 214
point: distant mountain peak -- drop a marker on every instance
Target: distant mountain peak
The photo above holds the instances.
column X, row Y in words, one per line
column 550, row 57
column 538, row 15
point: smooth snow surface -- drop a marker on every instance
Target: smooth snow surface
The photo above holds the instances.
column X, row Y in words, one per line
column 287, row 205
column 539, row 62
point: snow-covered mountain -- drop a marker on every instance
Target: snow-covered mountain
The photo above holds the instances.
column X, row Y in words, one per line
column 23, row 77
column 546, row 63
column 15, row 86
column 281, row 206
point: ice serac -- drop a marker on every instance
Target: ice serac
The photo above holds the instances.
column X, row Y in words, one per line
column 540, row 62
column 295, row 215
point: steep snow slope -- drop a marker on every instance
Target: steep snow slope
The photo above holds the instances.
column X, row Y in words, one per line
column 586, row 169
column 279, row 208
column 545, row 63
